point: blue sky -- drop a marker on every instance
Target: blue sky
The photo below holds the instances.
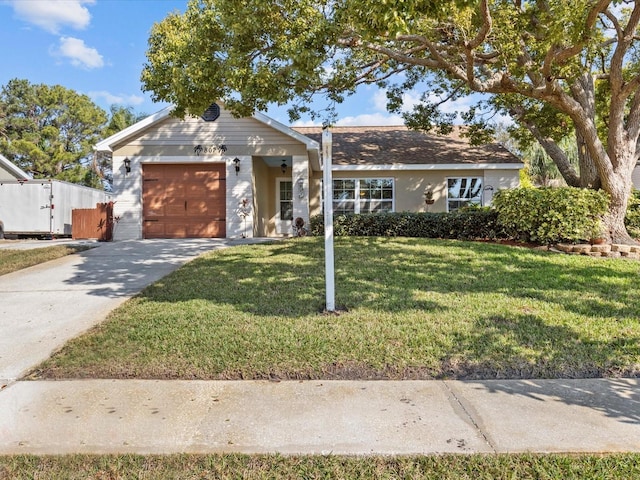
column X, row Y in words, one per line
column 97, row 47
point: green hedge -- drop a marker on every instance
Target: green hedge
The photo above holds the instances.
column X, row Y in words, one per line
column 551, row 215
column 537, row 215
column 470, row 224
column 632, row 220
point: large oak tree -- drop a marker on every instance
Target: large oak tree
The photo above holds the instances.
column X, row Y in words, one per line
column 555, row 66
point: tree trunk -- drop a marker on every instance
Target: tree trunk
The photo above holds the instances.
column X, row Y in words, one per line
column 589, row 177
column 584, row 92
column 616, row 231
column 618, row 186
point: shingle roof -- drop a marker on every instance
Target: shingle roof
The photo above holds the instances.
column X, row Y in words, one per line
column 391, row 145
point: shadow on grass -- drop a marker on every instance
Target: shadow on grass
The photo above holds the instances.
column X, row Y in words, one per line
column 525, row 346
column 398, row 276
column 284, row 280
column 500, row 302
column 288, row 278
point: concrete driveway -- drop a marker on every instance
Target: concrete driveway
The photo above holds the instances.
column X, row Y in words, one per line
column 44, row 306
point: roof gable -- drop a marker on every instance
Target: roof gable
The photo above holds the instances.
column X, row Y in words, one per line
column 12, row 171
column 144, row 127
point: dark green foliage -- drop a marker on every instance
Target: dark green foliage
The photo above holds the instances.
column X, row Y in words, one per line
column 466, row 224
column 49, row 131
column 632, row 220
column 551, row 215
column 537, row 215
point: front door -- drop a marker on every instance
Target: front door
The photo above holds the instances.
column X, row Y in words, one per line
column 284, row 206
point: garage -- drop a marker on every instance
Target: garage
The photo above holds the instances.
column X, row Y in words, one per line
column 184, row 200
column 207, row 177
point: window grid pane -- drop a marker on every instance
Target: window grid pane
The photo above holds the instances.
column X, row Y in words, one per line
column 286, row 200
column 463, row 191
column 286, row 190
column 372, row 191
column 367, row 195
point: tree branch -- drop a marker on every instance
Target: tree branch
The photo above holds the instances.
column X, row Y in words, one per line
column 563, row 55
column 633, row 122
column 487, row 22
column 567, row 170
column 620, row 91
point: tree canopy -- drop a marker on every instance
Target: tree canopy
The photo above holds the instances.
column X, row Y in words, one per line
column 558, row 67
column 49, row 131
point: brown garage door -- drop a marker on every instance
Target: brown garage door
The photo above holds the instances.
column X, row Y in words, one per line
column 184, row 201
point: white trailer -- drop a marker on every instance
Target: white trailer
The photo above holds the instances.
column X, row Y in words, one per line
column 42, row 208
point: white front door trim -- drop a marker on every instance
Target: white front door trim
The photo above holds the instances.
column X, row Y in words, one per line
column 283, row 226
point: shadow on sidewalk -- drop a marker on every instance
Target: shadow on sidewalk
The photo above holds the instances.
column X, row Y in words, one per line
column 617, row 398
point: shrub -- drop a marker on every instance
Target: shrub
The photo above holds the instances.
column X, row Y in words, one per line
column 465, row 224
column 632, row 220
column 550, row 215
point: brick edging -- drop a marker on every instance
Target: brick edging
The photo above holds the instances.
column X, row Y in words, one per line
column 607, row 250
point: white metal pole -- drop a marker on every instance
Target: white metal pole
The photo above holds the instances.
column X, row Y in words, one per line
column 327, row 179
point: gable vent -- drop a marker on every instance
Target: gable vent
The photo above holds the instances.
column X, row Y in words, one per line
column 211, row 113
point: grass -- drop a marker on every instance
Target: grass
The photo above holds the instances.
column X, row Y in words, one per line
column 411, row 309
column 14, row 260
column 223, row 467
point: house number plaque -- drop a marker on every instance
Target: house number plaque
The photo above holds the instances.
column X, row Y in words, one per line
column 209, row 149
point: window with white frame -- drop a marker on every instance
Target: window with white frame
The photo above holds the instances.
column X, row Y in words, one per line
column 363, row 195
column 462, row 191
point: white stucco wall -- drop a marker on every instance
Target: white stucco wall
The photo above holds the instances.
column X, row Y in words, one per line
column 127, row 190
column 495, row 180
column 238, row 188
column 300, row 178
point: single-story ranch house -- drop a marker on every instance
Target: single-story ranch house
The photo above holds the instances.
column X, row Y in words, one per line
column 221, row 176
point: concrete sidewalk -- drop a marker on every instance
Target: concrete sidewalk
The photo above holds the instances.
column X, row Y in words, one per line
column 44, row 306
column 320, row 417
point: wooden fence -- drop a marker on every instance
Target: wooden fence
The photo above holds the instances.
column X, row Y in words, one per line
column 93, row 222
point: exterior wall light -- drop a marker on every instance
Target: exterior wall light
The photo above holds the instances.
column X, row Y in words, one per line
column 127, row 165
column 283, row 167
column 236, row 161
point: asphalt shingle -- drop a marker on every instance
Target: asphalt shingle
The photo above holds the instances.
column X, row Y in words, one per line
column 397, row 145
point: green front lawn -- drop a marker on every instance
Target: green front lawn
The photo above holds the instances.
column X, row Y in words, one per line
column 411, row 308
column 227, row 467
column 223, row 467
column 14, row 260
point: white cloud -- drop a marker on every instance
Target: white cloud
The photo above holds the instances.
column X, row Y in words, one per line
column 379, row 100
column 306, row 123
column 412, row 98
column 364, row 120
column 79, row 54
column 113, row 99
column 370, row 119
column 409, row 100
column 52, row 15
